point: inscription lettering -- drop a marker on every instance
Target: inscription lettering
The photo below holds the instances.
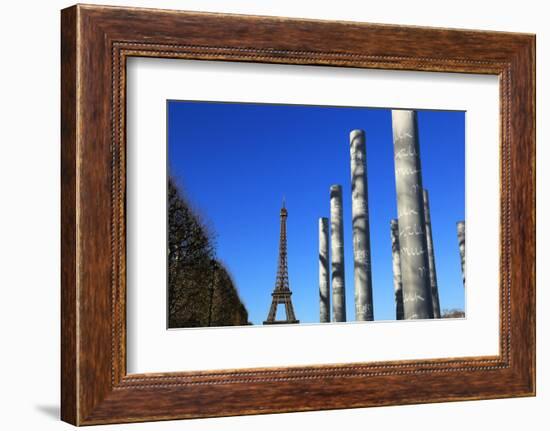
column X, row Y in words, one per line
column 413, row 251
column 407, row 212
column 411, row 231
column 406, row 171
column 403, row 135
column 405, row 152
column 412, row 297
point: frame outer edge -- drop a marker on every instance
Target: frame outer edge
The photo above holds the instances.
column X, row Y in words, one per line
column 529, row 63
column 69, row 201
column 523, row 216
column 533, row 56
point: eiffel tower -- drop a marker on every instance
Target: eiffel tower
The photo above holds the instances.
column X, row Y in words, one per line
column 281, row 294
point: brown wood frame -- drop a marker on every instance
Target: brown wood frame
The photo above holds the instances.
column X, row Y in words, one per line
column 95, row 43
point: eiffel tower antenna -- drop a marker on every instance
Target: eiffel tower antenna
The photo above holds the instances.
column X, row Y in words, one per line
column 281, row 293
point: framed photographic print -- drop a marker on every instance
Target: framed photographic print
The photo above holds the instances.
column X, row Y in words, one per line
column 258, row 208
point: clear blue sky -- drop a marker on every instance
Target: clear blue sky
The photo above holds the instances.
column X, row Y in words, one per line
column 235, row 162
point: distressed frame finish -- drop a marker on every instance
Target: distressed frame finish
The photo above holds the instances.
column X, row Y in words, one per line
column 95, row 42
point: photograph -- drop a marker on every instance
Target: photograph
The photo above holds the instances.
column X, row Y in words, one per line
column 302, row 214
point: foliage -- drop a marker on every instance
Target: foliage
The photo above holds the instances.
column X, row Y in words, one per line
column 200, row 290
column 453, row 314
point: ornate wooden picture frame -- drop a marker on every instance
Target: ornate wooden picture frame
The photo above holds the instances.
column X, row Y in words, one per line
column 96, row 41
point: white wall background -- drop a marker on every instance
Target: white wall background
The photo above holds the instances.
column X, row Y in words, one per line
column 29, row 215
